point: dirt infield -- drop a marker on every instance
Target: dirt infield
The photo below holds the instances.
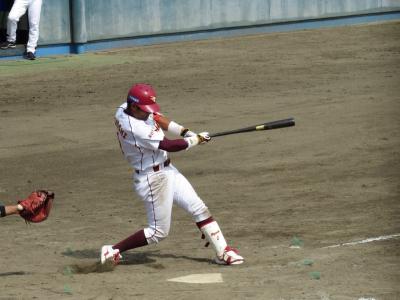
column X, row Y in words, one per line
column 280, row 196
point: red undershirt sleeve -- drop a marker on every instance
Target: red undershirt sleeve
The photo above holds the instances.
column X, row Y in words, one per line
column 172, row 145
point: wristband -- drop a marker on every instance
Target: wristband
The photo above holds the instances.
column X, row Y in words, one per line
column 2, row 211
column 175, row 128
column 184, row 131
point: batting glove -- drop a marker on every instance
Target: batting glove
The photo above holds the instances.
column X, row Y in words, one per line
column 204, row 137
column 201, row 138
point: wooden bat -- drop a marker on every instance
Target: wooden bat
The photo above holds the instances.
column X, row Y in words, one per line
column 265, row 126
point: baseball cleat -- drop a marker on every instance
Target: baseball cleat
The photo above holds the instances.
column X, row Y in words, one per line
column 29, row 56
column 229, row 257
column 110, row 254
column 8, row 45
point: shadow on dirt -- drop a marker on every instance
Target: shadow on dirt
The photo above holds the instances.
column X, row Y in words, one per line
column 131, row 258
column 87, row 268
column 5, row 274
column 86, row 253
column 149, row 259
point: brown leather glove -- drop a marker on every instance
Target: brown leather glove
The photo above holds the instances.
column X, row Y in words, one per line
column 37, row 206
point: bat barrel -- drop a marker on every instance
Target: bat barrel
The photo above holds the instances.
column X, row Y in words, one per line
column 266, row 126
column 279, row 124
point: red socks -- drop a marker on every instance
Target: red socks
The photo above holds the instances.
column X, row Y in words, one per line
column 136, row 240
column 204, row 222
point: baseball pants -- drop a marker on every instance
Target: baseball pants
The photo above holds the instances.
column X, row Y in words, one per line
column 17, row 11
column 159, row 191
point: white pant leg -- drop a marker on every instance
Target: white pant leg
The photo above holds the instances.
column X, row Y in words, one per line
column 155, row 190
column 34, row 11
column 186, row 197
column 17, row 11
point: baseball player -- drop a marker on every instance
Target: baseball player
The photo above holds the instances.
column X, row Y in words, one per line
column 140, row 131
column 19, row 8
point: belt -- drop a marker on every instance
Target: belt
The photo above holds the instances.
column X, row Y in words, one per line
column 158, row 167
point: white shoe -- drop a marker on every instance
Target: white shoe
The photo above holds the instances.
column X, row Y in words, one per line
column 110, row 254
column 229, row 257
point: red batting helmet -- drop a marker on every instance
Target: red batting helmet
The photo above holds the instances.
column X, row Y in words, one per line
column 144, row 97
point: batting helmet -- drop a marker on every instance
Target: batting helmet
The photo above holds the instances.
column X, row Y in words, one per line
column 144, row 97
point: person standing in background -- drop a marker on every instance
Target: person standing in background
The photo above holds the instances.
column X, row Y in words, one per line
column 19, row 8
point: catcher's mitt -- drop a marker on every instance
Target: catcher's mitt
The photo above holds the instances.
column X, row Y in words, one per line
column 37, row 206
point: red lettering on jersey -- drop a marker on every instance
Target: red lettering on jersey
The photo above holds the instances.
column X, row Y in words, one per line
column 154, row 129
column 156, row 117
column 121, row 132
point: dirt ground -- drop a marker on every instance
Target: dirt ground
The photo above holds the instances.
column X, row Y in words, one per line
column 281, row 197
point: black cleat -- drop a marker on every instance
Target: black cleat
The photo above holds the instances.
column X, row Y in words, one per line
column 7, row 45
column 29, row 55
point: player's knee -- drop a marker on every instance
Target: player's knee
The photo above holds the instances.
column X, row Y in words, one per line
column 34, row 26
column 13, row 18
column 201, row 214
column 157, row 234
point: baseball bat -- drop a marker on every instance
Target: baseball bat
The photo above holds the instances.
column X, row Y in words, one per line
column 265, row 126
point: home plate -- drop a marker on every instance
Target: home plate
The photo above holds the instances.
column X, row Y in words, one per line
column 199, row 278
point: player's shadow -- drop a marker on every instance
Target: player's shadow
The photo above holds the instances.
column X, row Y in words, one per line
column 17, row 273
column 132, row 258
column 148, row 259
column 86, row 253
column 88, row 267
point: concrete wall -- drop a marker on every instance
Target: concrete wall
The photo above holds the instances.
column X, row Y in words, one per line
column 81, row 21
column 125, row 18
column 55, row 25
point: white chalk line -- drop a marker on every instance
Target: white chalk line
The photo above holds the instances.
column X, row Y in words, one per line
column 368, row 240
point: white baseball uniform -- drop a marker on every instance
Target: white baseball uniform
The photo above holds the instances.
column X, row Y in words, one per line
column 18, row 9
column 157, row 182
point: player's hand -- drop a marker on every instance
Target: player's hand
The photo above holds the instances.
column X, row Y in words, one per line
column 201, row 138
column 189, row 133
column 204, row 137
